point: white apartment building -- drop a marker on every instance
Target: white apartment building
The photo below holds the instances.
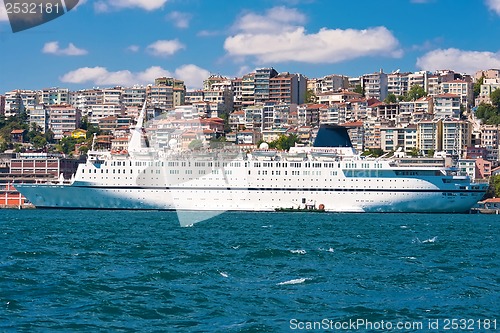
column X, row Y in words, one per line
column 456, row 137
column 461, row 88
column 375, row 85
column 63, row 118
column 447, row 105
column 98, row 111
column 40, row 117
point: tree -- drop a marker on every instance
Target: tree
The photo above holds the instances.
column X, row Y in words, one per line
column 359, row 89
column 414, row 152
column 494, row 188
column 391, row 99
column 196, row 144
column 284, row 142
column 495, row 98
column 415, row 93
column 310, row 96
column 477, row 86
column 375, row 152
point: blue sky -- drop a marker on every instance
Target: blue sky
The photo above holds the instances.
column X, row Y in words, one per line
column 104, row 43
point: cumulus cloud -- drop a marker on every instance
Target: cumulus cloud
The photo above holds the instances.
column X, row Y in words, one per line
column 277, row 19
column 459, row 60
column 493, row 5
column 180, row 20
column 71, row 50
column 192, row 75
column 110, row 5
column 165, row 47
column 274, row 37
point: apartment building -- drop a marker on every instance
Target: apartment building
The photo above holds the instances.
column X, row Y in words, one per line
column 63, row 118
column 490, row 138
column 397, row 83
column 447, row 105
column 261, row 81
column 51, row 96
column 329, row 83
column 462, row 88
column 161, row 96
column 429, row 134
column 456, row 137
column 287, row 88
column 375, row 85
column 488, row 86
column 40, row 117
column 133, row 96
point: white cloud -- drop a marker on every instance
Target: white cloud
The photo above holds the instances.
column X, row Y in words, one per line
column 192, row 75
column 165, row 47
column 180, row 20
column 493, row 5
column 109, row 5
column 273, row 37
column 133, row 48
column 71, row 50
column 277, row 19
column 459, row 60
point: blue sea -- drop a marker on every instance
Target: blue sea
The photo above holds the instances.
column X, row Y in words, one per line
column 140, row 271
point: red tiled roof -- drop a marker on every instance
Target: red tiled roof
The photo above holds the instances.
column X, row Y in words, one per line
column 17, row 131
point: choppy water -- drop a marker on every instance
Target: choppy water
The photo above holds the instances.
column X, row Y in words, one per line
column 115, row 271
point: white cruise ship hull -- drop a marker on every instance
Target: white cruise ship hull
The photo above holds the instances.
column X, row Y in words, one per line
column 250, row 199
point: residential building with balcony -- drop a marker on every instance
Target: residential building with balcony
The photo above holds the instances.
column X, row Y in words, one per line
column 40, row 117
column 490, row 139
column 329, row 83
column 261, row 83
column 63, row 118
column 429, row 136
column 462, row 88
column 397, row 83
column 447, row 105
column 248, row 90
column 456, row 137
column 286, row 88
column 488, row 86
column 375, row 85
column 133, row 96
column 161, row 96
column 52, row 96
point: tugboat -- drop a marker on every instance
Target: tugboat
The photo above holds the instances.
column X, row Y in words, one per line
column 309, row 207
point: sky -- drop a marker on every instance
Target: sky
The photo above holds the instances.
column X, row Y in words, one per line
column 104, row 43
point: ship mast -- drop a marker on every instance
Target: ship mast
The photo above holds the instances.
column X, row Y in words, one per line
column 135, row 143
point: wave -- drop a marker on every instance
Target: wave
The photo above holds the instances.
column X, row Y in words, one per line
column 293, row 281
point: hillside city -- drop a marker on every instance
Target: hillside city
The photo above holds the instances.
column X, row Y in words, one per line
column 420, row 114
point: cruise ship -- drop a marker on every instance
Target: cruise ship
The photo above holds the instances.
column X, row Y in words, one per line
column 329, row 174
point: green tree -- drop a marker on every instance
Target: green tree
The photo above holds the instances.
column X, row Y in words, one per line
column 414, row 152
column 375, row 152
column 391, row 99
column 284, row 142
column 310, row 96
column 495, row 98
column 477, row 86
column 494, row 188
column 196, row 144
column 415, row 93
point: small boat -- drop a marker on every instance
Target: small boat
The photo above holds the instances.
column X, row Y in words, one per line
column 305, row 209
